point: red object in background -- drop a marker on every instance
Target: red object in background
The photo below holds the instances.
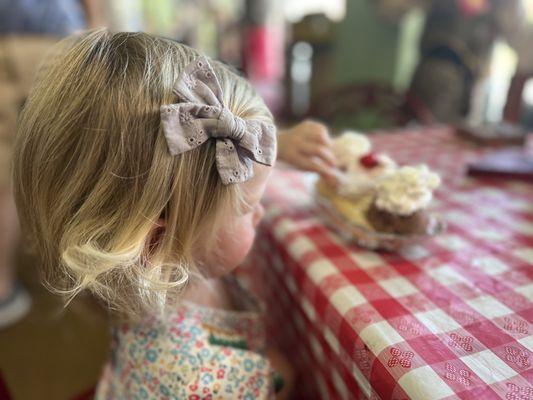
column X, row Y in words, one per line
column 4, row 392
column 473, row 8
column 264, row 62
column 263, row 54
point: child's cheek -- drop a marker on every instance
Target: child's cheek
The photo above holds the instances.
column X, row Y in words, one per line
column 234, row 245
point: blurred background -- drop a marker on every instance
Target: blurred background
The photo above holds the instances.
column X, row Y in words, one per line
column 358, row 63
column 354, row 64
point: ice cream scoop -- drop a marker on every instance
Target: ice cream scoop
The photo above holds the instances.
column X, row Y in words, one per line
column 349, row 147
column 407, row 190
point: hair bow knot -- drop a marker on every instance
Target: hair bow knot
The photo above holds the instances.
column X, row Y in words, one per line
column 201, row 114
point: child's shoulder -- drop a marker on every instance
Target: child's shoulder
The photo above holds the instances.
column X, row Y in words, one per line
column 182, row 356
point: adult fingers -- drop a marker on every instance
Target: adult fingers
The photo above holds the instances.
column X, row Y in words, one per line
column 313, row 149
column 318, row 133
column 315, row 164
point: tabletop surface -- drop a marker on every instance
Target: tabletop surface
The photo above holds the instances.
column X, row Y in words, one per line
column 448, row 318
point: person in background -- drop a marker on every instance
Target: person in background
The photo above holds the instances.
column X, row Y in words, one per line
column 456, row 47
column 28, row 28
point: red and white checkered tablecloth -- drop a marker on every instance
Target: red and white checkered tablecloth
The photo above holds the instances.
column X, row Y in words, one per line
column 449, row 318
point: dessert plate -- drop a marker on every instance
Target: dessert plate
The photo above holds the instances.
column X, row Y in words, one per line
column 370, row 239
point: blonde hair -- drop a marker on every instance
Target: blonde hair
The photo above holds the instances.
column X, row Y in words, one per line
column 93, row 174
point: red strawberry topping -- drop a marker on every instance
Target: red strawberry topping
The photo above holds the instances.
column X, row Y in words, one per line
column 369, row 161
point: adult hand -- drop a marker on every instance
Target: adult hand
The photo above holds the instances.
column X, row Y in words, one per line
column 307, row 146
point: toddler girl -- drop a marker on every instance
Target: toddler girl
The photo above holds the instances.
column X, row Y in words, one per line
column 138, row 172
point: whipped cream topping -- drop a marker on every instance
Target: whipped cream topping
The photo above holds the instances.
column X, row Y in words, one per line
column 354, row 184
column 406, row 190
column 360, row 180
column 349, row 147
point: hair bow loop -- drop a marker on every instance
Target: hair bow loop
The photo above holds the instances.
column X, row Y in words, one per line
column 201, row 114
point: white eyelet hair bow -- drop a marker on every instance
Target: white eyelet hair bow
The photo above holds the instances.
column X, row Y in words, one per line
column 201, row 114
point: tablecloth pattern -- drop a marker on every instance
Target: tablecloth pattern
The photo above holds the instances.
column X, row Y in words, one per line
column 449, row 318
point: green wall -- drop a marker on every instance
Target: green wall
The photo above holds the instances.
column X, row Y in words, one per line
column 371, row 48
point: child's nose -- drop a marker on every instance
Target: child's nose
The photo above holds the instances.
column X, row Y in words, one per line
column 258, row 215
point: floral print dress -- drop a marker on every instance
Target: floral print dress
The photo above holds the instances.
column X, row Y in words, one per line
column 194, row 353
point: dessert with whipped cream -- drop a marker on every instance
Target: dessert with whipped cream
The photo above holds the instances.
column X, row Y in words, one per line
column 375, row 193
column 349, row 147
column 360, row 167
column 401, row 200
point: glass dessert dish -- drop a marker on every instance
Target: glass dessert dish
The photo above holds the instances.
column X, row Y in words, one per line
column 363, row 234
column 376, row 202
